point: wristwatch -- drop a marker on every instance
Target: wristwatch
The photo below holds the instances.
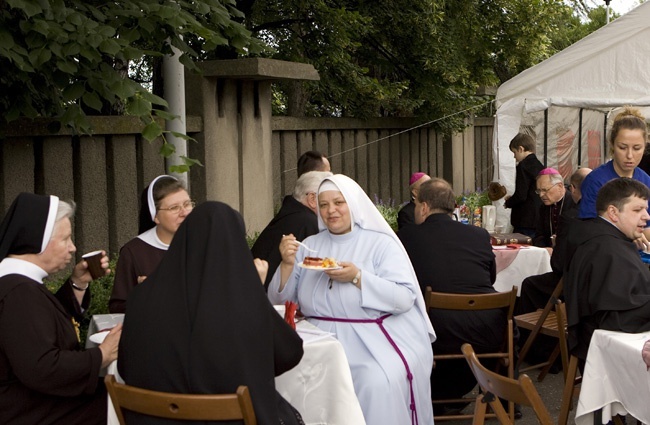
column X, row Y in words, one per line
column 357, row 277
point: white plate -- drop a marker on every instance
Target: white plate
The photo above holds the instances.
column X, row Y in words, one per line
column 98, row 338
column 300, row 264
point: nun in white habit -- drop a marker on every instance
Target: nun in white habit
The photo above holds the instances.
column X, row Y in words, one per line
column 373, row 304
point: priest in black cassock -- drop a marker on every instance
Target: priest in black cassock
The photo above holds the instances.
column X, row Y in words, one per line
column 557, row 212
column 452, row 257
column 297, row 217
column 45, row 376
column 607, row 285
column 557, row 202
column 406, row 215
column 202, row 324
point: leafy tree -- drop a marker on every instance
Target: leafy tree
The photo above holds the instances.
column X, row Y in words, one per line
column 408, row 57
column 70, row 58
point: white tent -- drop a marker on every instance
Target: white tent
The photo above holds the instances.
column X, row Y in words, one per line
column 569, row 100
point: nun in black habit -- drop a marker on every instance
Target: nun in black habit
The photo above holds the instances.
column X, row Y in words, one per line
column 202, row 324
column 45, row 376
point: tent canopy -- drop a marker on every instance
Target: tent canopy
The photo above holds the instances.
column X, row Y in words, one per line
column 568, row 101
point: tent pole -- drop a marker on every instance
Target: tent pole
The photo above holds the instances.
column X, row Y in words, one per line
column 580, row 138
column 603, row 155
column 545, row 138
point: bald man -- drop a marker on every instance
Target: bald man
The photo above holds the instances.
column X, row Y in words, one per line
column 576, row 183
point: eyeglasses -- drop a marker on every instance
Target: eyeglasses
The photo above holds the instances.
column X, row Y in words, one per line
column 176, row 209
column 544, row 191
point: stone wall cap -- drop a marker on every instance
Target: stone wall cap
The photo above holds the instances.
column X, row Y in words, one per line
column 259, row 69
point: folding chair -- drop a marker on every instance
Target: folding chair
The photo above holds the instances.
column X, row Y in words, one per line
column 543, row 321
column 192, row 407
column 494, row 386
column 475, row 302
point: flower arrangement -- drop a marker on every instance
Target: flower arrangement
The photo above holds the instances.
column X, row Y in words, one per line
column 471, row 204
column 474, row 200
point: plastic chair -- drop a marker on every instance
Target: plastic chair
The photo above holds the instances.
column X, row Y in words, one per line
column 191, row 407
column 543, row 321
column 494, row 386
column 475, row 302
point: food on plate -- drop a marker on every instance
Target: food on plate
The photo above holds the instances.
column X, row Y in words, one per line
column 312, row 261
column 326, row 263
column 329, row 263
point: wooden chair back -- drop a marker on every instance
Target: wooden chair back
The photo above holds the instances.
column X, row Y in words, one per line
column 190, row 407
column 475, row 302
column 494, row 386
column 471, row 302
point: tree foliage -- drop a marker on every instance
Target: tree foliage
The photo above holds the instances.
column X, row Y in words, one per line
column 69, row 58
column 408, row 57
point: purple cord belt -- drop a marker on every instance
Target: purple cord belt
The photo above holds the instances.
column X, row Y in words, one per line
column 380, row 322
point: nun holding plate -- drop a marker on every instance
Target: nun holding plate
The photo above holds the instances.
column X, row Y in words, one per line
column 373, row 303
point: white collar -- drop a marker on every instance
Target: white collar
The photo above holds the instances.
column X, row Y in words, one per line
column 25, row 268
column 151, row 237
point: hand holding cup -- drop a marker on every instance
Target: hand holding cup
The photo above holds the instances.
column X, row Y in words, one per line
column 96, row 263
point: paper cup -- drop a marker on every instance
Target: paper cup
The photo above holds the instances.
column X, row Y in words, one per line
column 94, row 261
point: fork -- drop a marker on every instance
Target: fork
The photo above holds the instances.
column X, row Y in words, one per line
column 303, row 245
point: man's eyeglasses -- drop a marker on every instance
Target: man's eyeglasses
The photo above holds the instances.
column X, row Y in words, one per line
column 176, row 209
column 544, row 191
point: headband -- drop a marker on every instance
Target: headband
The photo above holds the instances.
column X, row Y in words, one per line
column 150, row 201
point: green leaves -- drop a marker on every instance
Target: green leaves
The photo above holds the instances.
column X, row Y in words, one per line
column 406, row 57
column 68, row 58
column 151, row 132
column 138, row 106
column 185, row 167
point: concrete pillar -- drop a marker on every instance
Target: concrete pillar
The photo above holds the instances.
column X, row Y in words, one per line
column 234, row 99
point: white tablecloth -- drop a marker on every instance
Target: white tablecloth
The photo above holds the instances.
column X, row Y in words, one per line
column 100, row 322
column 529, row 261
column 615, row 378
column 320, row 386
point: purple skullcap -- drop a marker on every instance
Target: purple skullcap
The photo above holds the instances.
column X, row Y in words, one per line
column 548, row 171
column 416, row 176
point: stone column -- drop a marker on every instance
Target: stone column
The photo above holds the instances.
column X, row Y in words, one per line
column 234, row 99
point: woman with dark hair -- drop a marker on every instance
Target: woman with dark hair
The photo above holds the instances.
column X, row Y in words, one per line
column 164, row 205
column 201, row 323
